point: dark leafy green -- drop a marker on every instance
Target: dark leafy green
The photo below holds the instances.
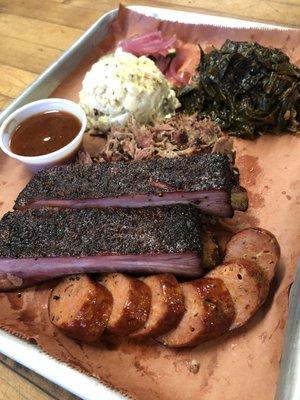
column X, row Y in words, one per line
column 247, row 89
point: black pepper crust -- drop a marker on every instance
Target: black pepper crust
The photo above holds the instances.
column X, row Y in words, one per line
column 194, row 173
column 87, row 232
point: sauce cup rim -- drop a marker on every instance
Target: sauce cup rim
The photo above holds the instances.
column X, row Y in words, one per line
column 79, row 113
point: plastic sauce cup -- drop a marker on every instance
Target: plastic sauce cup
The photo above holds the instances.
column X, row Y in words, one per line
column 57, row 157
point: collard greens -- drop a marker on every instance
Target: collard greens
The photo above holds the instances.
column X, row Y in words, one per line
column 247, row 89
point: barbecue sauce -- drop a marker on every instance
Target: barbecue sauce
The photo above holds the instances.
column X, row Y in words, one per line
column 44, row 133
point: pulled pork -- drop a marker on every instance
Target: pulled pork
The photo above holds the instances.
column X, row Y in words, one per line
column 181, row 135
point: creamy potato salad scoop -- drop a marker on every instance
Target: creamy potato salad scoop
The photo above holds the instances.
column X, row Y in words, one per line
column 121, row 85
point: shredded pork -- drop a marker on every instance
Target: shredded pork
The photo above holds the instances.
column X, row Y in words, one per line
column 181, row 135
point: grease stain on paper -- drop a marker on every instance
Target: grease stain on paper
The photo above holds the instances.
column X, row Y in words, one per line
column 144, row 370
column 250, row 169
column 256, row 200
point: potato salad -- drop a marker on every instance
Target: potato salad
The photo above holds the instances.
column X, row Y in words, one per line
column 121, row 86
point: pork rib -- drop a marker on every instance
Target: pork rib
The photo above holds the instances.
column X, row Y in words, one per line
column 39, row 244
column 205, row 180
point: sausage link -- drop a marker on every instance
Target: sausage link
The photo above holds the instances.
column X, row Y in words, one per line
column 131, row 303
column 255, row 245
column 247, row 285
column 167, row 306
column 209, row 313
column 80, row 307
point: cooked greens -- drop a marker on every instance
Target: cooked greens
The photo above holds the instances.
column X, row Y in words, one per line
column 247, row 89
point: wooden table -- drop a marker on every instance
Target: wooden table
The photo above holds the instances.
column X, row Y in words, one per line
column 33, row 33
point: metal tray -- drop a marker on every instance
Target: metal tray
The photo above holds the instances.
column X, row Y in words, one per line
column 30, row 355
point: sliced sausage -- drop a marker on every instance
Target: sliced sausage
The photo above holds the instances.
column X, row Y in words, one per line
column 80, row 308
column 131, row 303
column 209, row 313
column 247, row 285
column 167, row 306
column 255, row 244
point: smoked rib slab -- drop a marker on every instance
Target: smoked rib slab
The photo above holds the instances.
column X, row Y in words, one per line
column 206, row 180
column 39, row 244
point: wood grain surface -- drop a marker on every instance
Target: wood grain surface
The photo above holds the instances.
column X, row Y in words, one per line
column 33, row 33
